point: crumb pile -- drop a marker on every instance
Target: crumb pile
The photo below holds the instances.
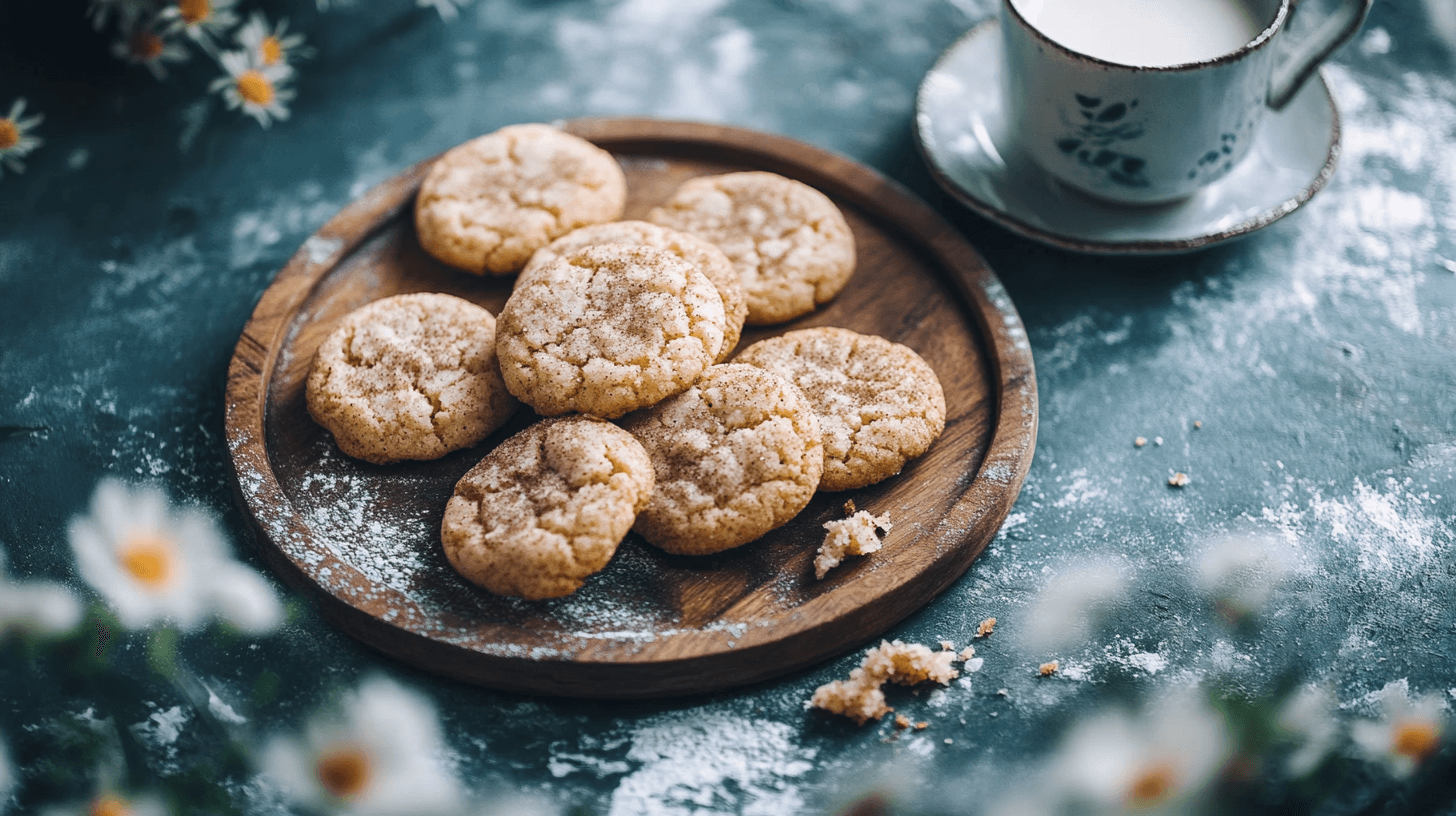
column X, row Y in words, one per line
column 856, row 535
column 861, row 697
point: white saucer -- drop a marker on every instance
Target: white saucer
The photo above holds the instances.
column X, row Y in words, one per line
column 961, row 129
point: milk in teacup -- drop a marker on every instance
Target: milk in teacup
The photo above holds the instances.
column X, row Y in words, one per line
column 1146, row 32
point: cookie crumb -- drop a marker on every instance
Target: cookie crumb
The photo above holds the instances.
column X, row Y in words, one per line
column 967, row 653
column 947, row 646
column 1001, row 692
column 1157, row 440
column 901, row 721
column 949, row 741
column 855, row 535
column 849, row 507
column 1197, row 423
column 986, row 628
column 1139, row 442
column 1178, row 479
column 1049, row 669
column 922, row 725
column 860, row 697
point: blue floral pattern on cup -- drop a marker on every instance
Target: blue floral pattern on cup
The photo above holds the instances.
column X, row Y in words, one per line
column 1095, row 142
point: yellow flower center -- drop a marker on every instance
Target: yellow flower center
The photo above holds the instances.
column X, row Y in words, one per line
column 145, row 46
column 344, row 772
column 194, row 11
column 1151, row 785
column 149, row 560
column 254, row 87
column 9, row 134
column 109, row 805
column 1415, row 739
column 271, row 50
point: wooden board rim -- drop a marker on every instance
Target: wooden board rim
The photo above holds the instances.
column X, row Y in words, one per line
column 730, row 658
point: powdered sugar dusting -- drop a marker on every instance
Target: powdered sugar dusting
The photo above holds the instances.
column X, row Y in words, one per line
column 718, row 763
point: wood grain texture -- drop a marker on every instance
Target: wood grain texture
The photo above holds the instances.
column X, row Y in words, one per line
column 363, row 540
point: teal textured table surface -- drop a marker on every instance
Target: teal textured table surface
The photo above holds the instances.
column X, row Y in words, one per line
column 1226, row 585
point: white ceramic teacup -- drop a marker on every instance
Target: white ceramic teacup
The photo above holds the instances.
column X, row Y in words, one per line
column 1146, row 101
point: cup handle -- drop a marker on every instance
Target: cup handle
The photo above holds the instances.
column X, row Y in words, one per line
column 1297, row 68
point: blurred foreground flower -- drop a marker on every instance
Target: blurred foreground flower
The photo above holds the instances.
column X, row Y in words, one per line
column 382, row 754
column 1158, row 762
column 140, row 45
column 1307, row 719
column 205, row 21
column 254, row 87
column 110, row 804
column 1239, row 575
column 127, row 11
column 1409, row 733
column 16, row 140
column 273, row 46
column 36, row 607
column 153, row 563
column 1068, row 606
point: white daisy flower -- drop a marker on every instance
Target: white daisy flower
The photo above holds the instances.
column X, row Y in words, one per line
column 1159, row 762
column 110, row 803
column 381, row 754
column 448, row 9
column 16, row 139
column 1070, row 605
column 141, row 45
column 1240, row 574
column 153, row 563
column 205, row 21
column 1408, row 734
column 36, row 607
column 1307, row 719
column 128, row 12
column 256, row 88
column 273, row 46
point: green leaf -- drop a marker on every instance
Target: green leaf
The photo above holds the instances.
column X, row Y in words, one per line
column 162, row 651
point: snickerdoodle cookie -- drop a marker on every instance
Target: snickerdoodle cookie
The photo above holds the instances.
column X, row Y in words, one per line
column 489, row 203
column 409, row 377
column 791, row 246
column 879, row 403
column 608, row 329
column 736, row 455
column 547, row 508
column 707, row 258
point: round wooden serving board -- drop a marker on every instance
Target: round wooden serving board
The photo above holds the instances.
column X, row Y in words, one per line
column 363, row 540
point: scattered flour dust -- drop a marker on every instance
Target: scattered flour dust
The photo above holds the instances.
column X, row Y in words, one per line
column 364, row 532
column 716, row 763
column 1119, row 652
column 1081, row 491
column 679, row 60
column 159, row 732
column 255, row 233
column 1390, row 531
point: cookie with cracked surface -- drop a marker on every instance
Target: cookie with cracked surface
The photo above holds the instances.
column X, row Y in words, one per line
column 547, row 508
column 736, row 455
column 409, row 377
column 879, row 403
column 607, row 330
column 791, row 246
column 707, row 258
column 489, row 203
